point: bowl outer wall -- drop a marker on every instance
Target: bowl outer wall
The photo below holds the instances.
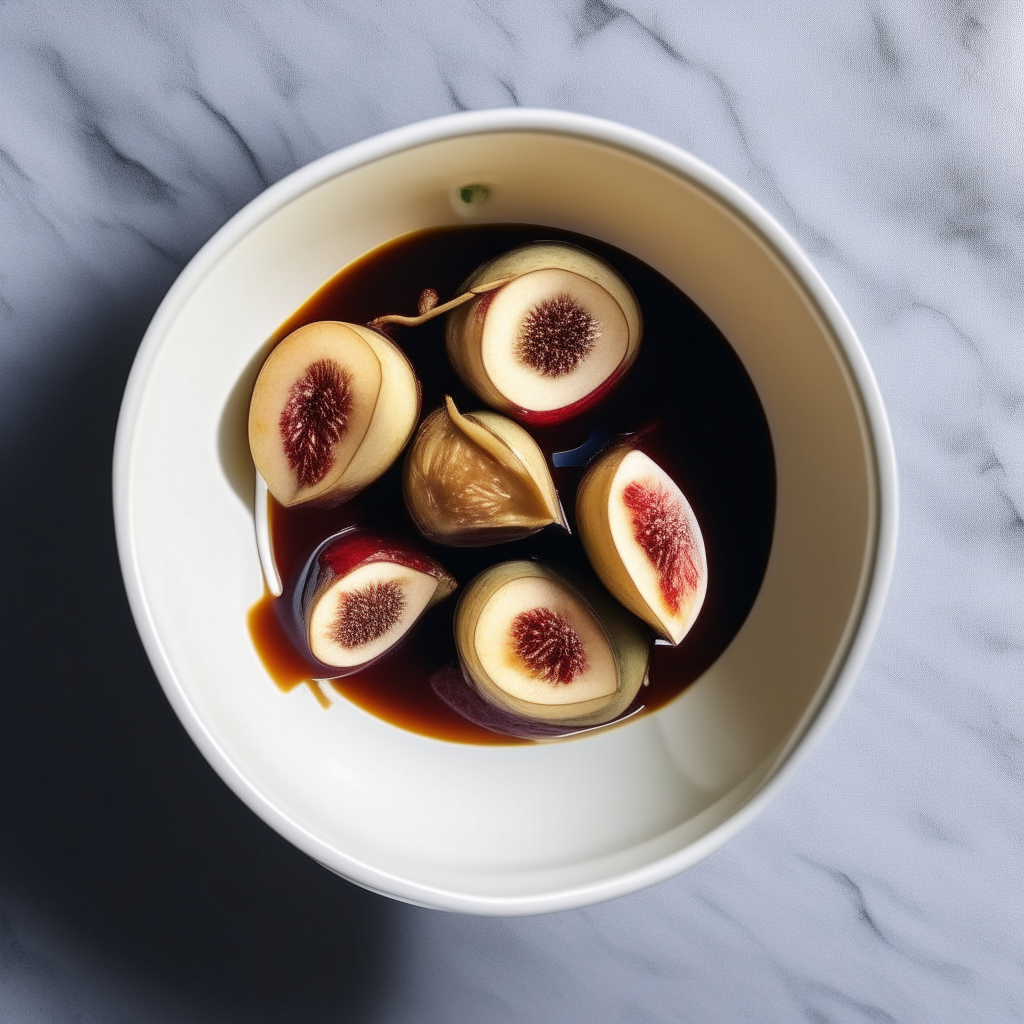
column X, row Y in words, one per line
column 848, row 661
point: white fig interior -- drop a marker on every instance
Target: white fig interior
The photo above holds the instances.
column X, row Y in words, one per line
column 514, row 377
column 498, row 655
column 416, row 590
column 516, row 829
column 331, row 343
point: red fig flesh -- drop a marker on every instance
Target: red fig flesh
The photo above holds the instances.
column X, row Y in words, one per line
column 548, row 646
column 314, row 419
column 663, row 527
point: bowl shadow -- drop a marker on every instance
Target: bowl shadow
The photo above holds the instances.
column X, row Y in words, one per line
column 233, row 433
column 113, row 822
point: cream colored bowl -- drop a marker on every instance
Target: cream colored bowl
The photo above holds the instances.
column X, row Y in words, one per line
column 505, row 830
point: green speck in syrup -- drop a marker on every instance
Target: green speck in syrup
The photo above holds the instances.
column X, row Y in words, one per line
column 471, row 195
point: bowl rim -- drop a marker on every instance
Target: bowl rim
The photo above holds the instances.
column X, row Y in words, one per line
column 863, row 622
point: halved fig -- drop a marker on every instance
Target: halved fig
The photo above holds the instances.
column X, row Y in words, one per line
column 643, row 540
column 360, row 595
column 543, row 645
column 332, row 408
column 552, row 340
column 477, row 479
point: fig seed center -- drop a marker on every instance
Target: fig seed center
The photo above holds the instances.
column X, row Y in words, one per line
column 366, row 614
column 548, row 646
column 314, row 419
column 662, row 529
column 556, row 336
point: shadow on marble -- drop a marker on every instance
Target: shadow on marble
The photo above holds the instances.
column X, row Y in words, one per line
column 112, row 821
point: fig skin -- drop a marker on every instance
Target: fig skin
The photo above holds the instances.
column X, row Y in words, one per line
column 628, row 641
column 450, row 686
column 477, row 479
column 608, row 547
column 379, row 409
column 464, row 326
column 336, row 558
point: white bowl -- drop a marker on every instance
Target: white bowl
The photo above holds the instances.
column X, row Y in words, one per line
column 505, row 830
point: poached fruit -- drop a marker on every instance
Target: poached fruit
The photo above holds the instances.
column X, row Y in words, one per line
column 643, row 540
column 359, row 595
column 477, row 479
column 332, row 408
column 731, row 470
column 544, row 646
column 552, row 339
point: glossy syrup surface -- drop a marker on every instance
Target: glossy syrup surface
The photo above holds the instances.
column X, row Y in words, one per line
column 687, row 397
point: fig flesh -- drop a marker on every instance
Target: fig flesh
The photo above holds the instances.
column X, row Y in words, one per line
column 551, row 340
column 477, row 479
column 544, row 646
column 643, row 540
column 359, row 595
column 332, row 408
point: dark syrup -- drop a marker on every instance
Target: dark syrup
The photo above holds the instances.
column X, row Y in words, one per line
column 687, row 396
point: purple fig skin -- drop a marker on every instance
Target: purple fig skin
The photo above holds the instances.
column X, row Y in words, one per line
column 291, row 611
column 453, row 689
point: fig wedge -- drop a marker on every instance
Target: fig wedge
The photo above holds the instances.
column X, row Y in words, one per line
column 549, row 342
column 477, row 479
column 643, row 540
column 332, row 408
column 359, row 595
column 545, row 646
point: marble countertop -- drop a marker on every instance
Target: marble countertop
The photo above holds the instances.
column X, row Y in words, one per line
column 887, row 882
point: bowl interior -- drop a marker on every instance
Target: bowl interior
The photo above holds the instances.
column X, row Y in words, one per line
column 491, row 827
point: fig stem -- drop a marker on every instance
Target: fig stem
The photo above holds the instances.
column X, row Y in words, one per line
column 415, row 321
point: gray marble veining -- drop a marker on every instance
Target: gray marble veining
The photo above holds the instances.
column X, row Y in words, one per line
column 887, row 882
